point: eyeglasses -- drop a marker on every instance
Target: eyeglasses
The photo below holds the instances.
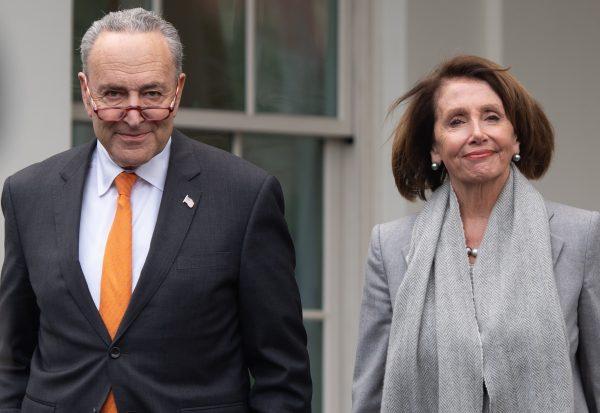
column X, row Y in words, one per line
column 118, row 113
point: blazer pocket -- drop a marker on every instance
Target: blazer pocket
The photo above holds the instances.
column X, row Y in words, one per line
column 208, row 261
column 33, row 405
column 239, row 407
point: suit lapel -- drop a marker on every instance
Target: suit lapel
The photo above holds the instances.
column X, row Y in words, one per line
column 556, row 242
column 173, row 221
column 404, row 251
column 68, row 197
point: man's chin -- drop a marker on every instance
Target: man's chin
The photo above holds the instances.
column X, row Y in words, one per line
column 130, row 159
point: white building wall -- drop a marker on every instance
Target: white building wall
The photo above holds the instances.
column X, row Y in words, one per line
column 35, row 72
column 554, row 49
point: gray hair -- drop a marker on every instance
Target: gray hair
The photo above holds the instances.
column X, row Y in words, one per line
column 136, row 20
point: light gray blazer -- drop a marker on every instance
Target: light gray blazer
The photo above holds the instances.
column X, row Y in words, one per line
column 575, row 237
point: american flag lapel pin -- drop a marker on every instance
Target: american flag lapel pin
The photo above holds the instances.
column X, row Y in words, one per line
column 188, row 201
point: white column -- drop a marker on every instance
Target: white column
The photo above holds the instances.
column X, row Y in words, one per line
column 35, row 82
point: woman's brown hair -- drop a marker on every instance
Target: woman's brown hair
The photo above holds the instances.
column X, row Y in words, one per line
column 413, row 136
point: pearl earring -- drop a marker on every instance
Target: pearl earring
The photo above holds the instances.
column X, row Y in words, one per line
column 516, row 157
column 435, row 166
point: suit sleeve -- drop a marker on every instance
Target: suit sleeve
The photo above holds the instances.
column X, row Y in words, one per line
column 273, row 334
column 589, row 318
column 19, row 314
column 373, row 335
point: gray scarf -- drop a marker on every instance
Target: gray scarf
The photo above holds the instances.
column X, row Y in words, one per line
column 504, row 325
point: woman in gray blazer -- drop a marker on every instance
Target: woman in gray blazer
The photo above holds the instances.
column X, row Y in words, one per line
column 489, row 298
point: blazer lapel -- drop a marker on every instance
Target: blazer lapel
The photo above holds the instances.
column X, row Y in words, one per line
column 173, row 221
column 556, row 242
column 68, row 197
column 404, row 251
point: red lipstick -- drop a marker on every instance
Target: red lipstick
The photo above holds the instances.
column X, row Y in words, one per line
column 479, row 154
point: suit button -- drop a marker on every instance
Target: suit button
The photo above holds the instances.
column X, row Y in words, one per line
column 115, row 352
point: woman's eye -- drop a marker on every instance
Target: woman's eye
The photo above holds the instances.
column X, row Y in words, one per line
column 493, row 117
column 456, row 122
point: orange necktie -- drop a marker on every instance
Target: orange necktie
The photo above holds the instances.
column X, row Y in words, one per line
column 115, row 289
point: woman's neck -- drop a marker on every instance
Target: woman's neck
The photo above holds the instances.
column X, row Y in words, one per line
column 476, row 202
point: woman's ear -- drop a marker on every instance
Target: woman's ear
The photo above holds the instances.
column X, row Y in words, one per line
column 516, row 146
column 435, row 156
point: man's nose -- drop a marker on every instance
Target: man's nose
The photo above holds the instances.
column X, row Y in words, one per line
column 133, row 117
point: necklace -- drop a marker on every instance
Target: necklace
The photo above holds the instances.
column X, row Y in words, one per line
column 472, row 252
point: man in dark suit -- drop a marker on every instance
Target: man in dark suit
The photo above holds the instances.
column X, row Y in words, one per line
column 146, row 272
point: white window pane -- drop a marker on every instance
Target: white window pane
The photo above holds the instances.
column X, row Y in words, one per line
column 296, row 57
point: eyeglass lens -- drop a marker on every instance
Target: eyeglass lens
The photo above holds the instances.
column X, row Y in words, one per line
column 116, row 114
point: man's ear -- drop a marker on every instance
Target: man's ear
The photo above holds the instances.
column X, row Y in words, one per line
column 180, row 84
column 85, row 97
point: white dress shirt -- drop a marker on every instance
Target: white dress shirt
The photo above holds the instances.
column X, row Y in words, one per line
column 99, row 207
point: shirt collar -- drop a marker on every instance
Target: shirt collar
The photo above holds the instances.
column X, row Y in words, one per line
column 154, row 171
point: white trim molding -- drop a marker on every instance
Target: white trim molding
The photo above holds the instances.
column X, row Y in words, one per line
column 218, row 120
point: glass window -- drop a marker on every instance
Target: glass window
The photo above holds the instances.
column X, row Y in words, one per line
column 296, row 57
column 296, row 67
column 297, row 163
column 212, row 32
column 82, row 132
column 217, row 139
column 85, row 12
column 314, row 330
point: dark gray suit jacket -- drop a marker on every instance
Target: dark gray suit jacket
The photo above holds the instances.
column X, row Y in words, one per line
column 216, row 299
column 575, row 238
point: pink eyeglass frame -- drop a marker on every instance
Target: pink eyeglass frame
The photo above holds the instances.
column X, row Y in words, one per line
column 126, row 109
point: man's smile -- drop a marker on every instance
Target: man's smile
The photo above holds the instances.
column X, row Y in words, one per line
column 132, row 136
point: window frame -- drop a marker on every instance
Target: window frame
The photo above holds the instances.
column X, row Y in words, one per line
column 248, row 121
column 337, row 132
